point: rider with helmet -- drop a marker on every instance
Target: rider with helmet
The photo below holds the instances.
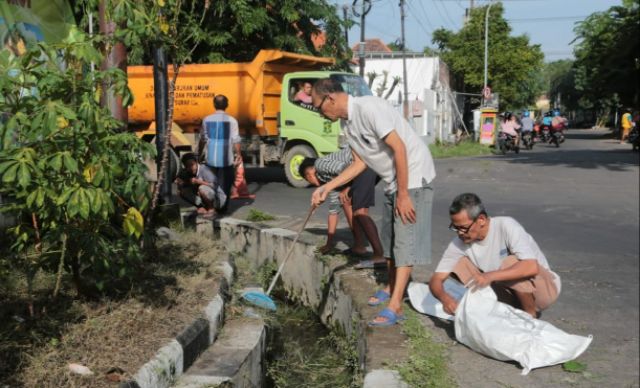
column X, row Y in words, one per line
column 510, row 126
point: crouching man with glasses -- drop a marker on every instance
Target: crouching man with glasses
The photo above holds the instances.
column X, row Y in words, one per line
column 496, row 252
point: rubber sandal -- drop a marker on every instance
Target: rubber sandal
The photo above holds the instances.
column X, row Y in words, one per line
column 370, row 264
column 350, row 252
column 391, row 318
column 382, row 297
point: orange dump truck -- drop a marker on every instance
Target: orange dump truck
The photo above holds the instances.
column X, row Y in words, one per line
column 276, row 129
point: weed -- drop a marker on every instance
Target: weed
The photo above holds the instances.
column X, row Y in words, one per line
column 574, row 367
column 303, row 353
column 464, row 148
column 427, row 363
column 256, row 215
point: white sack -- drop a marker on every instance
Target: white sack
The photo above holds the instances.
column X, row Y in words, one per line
column 506, row 333
column 424, row 302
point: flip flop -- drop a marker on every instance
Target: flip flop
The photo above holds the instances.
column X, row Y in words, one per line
column 369, row 264
column 382, row 297
column 350, row 252
column 391, row 318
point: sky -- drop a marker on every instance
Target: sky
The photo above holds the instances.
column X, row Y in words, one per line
column 549, row 23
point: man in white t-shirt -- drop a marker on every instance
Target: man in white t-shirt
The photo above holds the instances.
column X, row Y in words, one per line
column 494, row 251
column 383, row 140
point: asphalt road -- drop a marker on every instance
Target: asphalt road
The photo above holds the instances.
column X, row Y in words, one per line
column 581, row 204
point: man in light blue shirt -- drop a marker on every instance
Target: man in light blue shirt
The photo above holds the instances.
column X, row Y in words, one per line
column 220, row 139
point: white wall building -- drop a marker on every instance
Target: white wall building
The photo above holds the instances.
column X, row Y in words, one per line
column 432, row 107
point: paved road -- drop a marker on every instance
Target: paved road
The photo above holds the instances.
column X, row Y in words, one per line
column 581, row 204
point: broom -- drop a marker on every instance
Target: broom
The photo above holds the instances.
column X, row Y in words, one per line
column 257, row 296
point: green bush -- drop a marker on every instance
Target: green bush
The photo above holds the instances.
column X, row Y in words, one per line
column 76, row 180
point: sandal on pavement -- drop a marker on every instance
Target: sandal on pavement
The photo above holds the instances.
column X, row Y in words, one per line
column 391, row 318
column 381, row 295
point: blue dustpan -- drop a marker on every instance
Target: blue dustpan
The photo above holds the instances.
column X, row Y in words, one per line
column 257, row 297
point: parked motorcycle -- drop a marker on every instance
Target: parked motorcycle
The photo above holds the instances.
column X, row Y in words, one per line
column 527, row 140
column 506, row 143
column 634, row 138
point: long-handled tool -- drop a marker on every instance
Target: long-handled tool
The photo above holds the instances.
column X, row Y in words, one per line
column 257, row 296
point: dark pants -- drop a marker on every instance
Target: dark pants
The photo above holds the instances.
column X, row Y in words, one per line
column 226, row 176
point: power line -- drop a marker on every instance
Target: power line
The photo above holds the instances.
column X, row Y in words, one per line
column 547, row 19
column 413, row 10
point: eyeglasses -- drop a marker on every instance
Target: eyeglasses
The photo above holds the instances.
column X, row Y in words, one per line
column 319, row 107
column 462, row 229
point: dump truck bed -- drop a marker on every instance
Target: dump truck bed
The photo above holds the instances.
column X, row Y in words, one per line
column 253, row 89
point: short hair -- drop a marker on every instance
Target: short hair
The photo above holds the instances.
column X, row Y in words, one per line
column 469, row 202
column 305, row 164
column 220, row 102
column 188, row 157
column 324, row 86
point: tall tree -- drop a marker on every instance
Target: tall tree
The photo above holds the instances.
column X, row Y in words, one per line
column 607, row 65
column 513, row 63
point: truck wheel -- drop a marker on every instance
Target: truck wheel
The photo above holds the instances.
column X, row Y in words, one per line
column 292, row 161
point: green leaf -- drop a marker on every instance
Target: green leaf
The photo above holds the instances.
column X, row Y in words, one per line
column 24, row 175
column 56, row 162
column 10, row 174
column 31, row 198
column 84, row 204
column 5, row 165
column 574, row 367
column 70, row 163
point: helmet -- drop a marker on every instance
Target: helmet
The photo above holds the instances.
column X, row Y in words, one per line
column 525, row 113
column 556, row 112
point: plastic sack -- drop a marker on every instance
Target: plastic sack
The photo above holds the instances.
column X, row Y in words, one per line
column 505, row 333
column 424, row 302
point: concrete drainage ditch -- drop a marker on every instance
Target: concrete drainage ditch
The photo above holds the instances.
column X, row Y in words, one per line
column 326, row 285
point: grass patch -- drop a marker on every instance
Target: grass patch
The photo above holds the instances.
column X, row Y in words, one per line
column 304, row 353
column 122, row 329
column 256, row 215
column 427, row 363
column 464, row 148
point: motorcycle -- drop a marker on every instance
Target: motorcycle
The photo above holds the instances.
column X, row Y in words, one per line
column 556, row 136
column 506, row 143
column 527, row 140
column 634, row 138
column 545, row 133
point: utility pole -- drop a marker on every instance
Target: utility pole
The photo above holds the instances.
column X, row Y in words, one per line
column 366, row 7
column 405, row 101
column 345, row 17
column 486, row 47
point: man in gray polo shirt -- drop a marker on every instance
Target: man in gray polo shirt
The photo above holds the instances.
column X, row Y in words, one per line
column 383, row 140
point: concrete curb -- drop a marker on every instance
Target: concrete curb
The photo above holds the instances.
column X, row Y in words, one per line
column 180, row 353
column 312, row 282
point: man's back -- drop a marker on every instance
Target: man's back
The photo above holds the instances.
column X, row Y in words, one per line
column 371, row 119
column 220, row 130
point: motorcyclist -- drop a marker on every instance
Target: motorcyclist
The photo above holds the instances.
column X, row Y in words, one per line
column 510, row 127
column 527, row 124
column 558, row 122
column 546, row 124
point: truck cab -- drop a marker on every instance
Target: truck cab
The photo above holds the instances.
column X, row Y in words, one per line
column 305, row 132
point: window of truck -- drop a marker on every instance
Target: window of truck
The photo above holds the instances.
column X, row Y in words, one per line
column 300, row 92
column 354, row 85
